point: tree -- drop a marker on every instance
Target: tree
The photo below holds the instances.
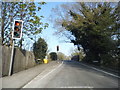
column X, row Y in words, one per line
column 93, row 26
column 25, row 11
column 40, row 49
column 77, row 52
column 53, row 56
column 61, row 56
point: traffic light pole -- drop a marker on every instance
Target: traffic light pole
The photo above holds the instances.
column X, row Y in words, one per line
column 16, row 34
column 57, row 55
column 11, row 60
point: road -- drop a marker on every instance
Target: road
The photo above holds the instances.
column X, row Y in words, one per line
column 72, row 74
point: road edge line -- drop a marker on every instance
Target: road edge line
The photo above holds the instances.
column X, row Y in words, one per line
column 100, row 70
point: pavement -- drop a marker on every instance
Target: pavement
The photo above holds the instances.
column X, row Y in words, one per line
column 18, row 80
column 71, row 74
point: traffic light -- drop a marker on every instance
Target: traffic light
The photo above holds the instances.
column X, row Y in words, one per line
column 57, row 48
column 17, row 29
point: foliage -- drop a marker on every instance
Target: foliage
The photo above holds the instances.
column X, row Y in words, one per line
column 53, row 56
column 93, row 25
column 61, row 56
column 76, row 52
column 26, row 11
column 40, row 49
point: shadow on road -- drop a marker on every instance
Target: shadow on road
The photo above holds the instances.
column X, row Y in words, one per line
column 81, row 67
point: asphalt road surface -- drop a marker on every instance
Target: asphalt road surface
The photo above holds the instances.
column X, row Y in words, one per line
column 72, row 74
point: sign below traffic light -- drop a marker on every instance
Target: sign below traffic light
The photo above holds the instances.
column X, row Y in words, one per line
column 17, row 29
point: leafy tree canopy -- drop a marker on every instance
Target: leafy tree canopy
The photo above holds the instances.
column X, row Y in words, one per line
column 53, row 56
column 93, row 25
column 26, row 11
column 40, row 49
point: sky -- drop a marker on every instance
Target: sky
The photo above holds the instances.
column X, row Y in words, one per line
column 47, row 34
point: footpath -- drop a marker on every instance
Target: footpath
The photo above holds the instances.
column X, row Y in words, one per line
column 18, row 80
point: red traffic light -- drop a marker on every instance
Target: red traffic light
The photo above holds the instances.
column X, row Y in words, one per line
column 17, row 23
column 17, row 29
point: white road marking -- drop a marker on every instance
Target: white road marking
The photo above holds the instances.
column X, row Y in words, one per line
column 77, row 87
column 26, row 86
column 51, row 71
column 101, row 70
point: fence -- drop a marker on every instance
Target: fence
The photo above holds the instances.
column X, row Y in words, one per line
column 22, row 60
column 0, row 57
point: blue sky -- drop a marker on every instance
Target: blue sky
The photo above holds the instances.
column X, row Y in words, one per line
column 47, row 34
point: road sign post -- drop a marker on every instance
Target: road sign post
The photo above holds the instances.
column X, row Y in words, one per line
column 16, row 34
